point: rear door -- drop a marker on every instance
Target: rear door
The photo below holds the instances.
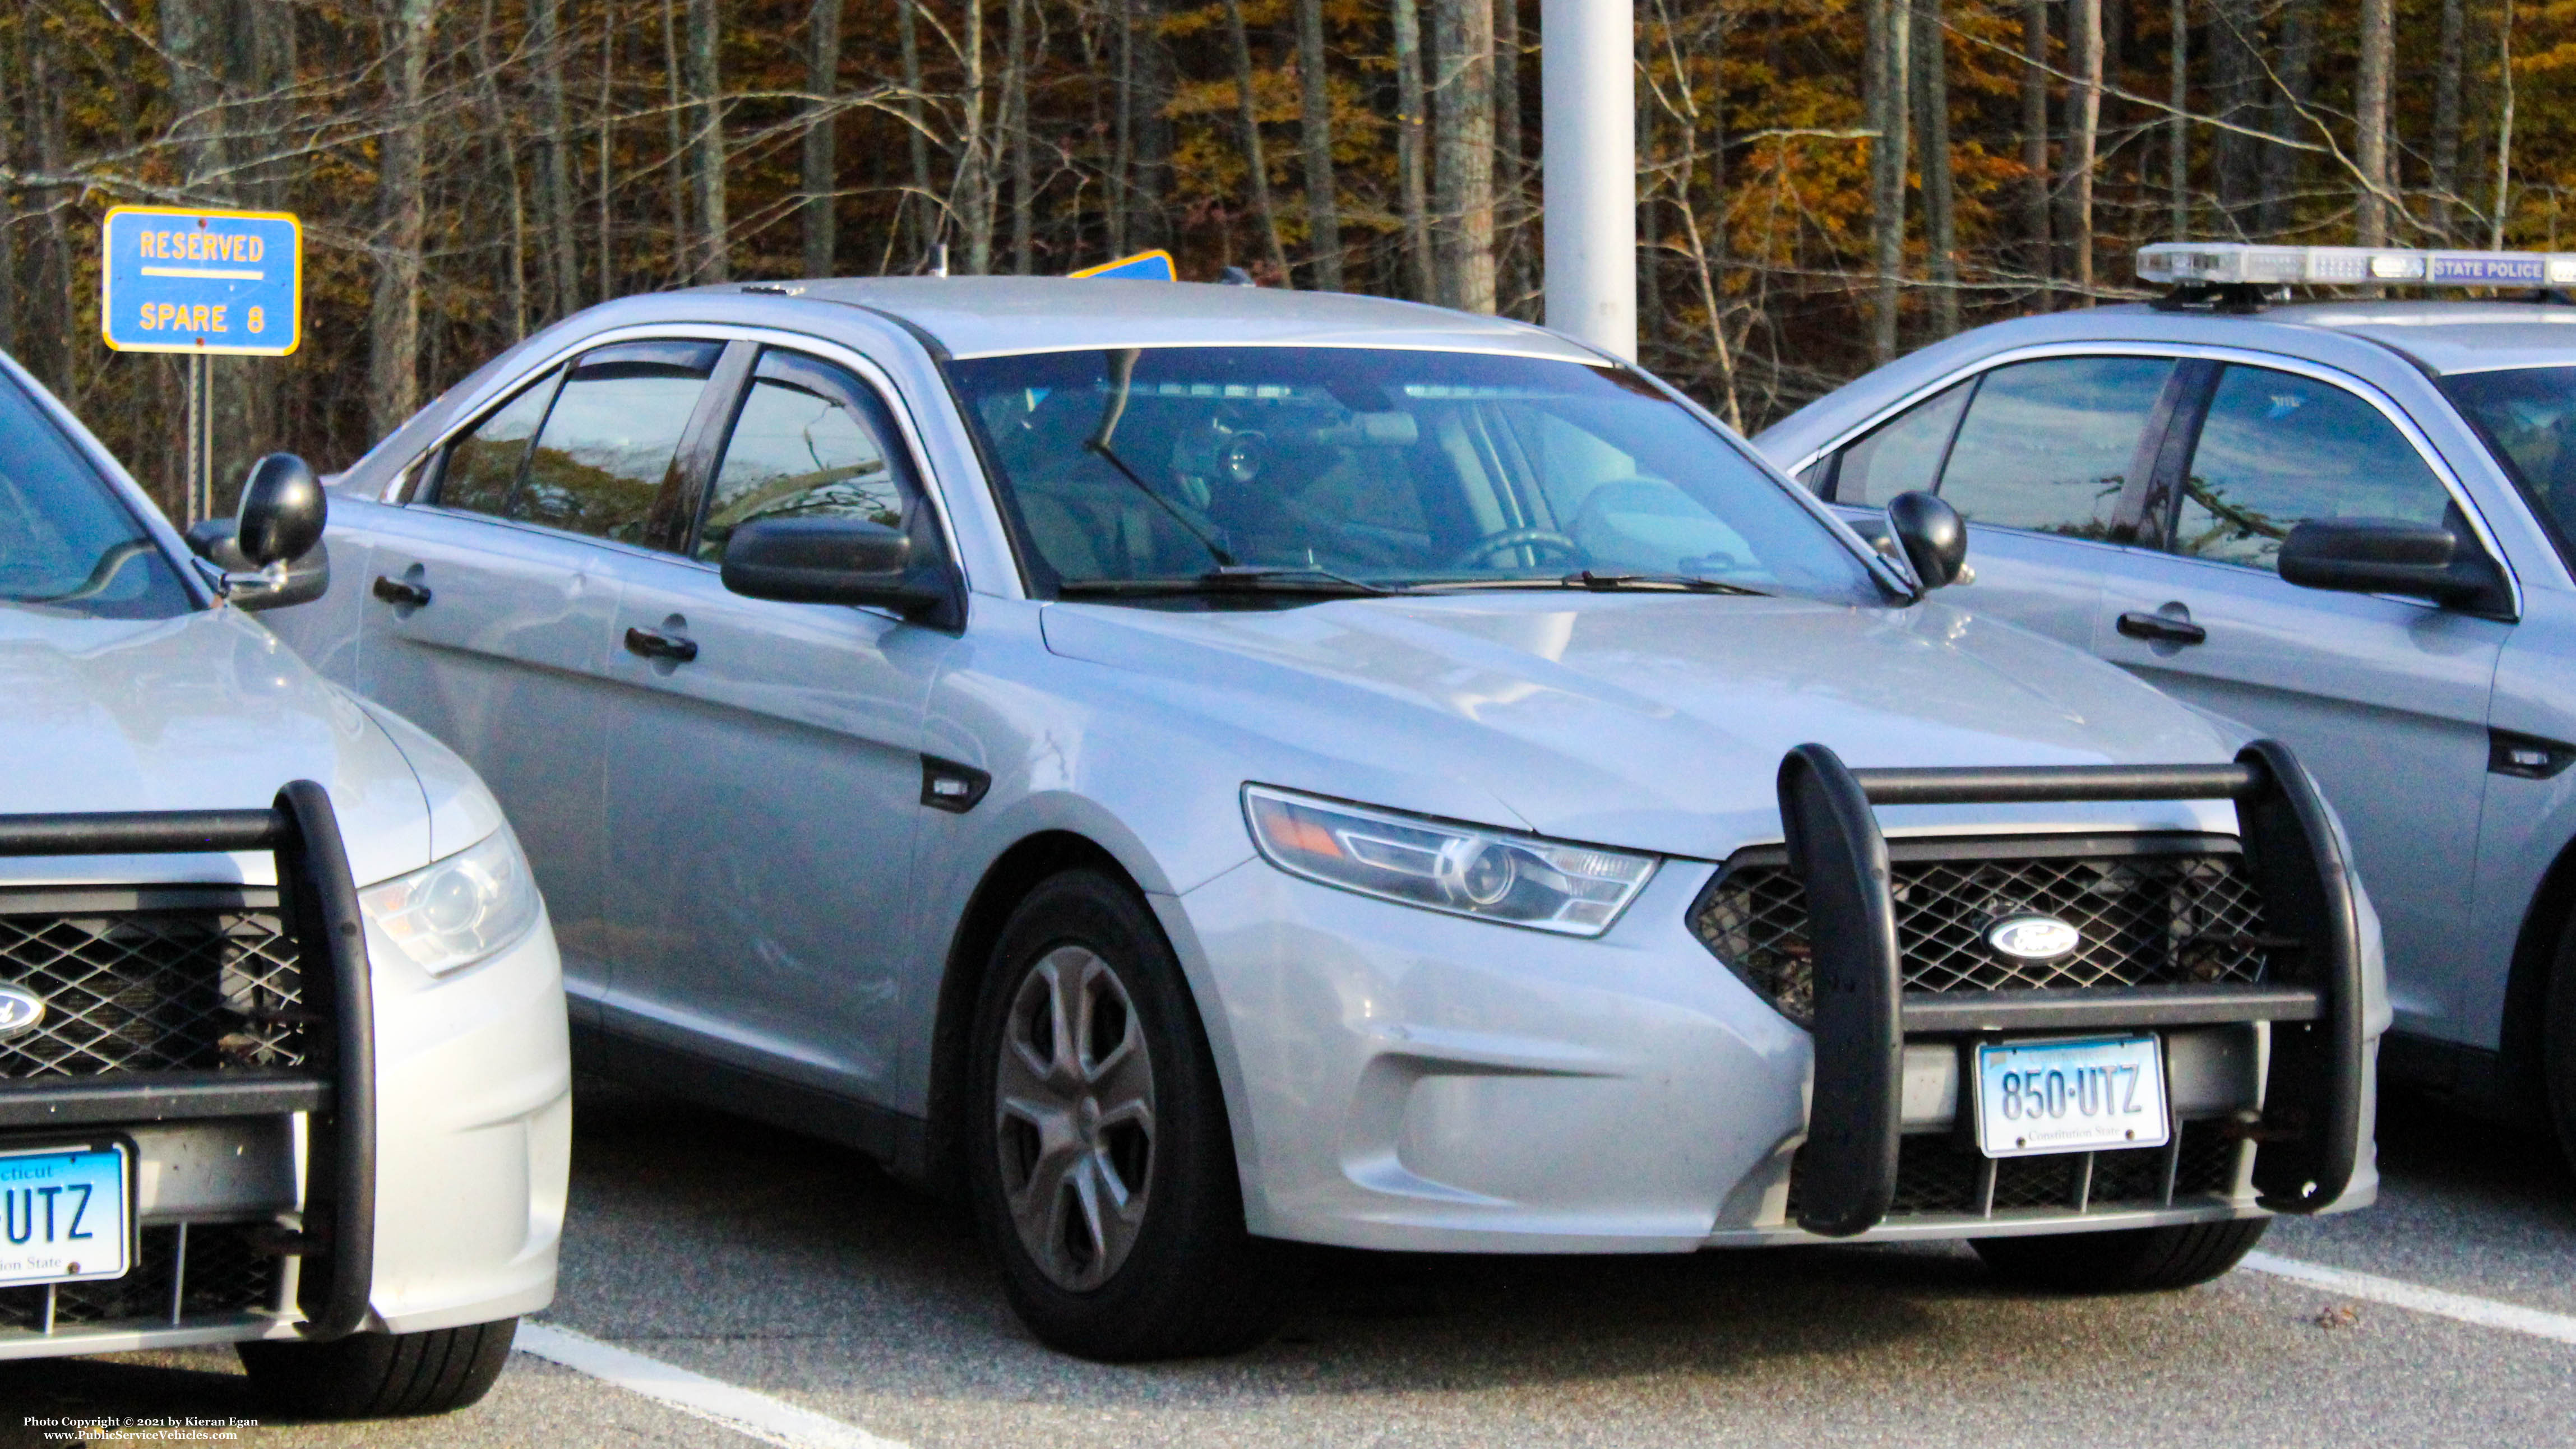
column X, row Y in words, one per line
column 491, row 602
column 2041, row 456
column 2384, row 699
column 765, row 759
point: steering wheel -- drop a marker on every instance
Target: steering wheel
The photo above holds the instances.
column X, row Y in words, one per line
column 1494, row 543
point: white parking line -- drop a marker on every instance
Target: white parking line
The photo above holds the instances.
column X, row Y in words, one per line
column 2484, row 1312
column 772, row 1421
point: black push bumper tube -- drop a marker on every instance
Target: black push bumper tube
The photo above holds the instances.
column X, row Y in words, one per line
column 2312, row 1098
column 319, row 902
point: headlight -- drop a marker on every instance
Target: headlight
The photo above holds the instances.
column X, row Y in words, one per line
column 1521, row 880
column 456, row 911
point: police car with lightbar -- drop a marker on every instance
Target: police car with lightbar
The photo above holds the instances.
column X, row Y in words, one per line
column 2347, row 522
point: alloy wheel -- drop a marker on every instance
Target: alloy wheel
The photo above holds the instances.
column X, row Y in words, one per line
column 1074, row 1117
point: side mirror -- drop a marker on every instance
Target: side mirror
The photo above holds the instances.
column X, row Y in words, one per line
column 1932, row 535
column 270, row 553
column 829, row 560
column 2393, row 556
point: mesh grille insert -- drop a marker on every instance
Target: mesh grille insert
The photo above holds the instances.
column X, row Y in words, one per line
column 154, row 990
column 2174, row 919
column 1936, row 1176
column 226, row 1274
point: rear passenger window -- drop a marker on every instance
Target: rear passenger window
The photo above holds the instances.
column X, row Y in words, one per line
column 810, row 440
column 608, row 441
column 483, row 465
column 2049, row 445
column 2279, row 449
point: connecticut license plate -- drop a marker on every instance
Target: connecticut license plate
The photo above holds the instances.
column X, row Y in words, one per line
column 63, row 1215
column 2070, row 1096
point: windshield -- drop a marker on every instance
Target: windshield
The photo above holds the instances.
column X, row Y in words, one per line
column 2529, row 414
column 66, row 542
column 1381, row 468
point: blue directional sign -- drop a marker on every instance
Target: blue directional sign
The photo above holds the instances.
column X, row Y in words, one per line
column 1142, row 267
column 207, row 282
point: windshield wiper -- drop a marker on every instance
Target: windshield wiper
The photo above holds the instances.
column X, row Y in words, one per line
column 1122, row 370
column 1236, row 578
column 1690, row 583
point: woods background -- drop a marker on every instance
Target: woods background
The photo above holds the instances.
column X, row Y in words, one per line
column 1822, row 183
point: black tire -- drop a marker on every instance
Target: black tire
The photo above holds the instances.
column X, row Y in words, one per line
column 2127, row 1260
column 1185, row 1279
column 2558, row 1044
column 379, row 1375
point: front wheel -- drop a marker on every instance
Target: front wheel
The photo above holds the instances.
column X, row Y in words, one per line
column 1101, row 1165
column 379, row 1375
column 2126, row 1260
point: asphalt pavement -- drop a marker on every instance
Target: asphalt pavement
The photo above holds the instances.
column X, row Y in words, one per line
column 796, row 1276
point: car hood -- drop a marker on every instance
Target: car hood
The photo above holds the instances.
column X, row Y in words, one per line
column 204, row 711
column 1649, row 720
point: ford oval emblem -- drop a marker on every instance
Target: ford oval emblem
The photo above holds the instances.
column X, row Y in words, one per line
column 2033, row 938
column 20, row 1010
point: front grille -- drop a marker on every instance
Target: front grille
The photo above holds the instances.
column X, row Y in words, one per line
column 153, row 988
column 221, row 1271
column 2185, row 918
column 1937, row 1176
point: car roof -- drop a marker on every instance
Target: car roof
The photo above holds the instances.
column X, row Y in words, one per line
column 991, row 316
column 2448, row 337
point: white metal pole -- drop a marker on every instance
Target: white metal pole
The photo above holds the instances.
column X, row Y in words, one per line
column 1588, row 96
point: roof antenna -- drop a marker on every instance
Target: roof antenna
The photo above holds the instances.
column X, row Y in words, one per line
column 939, row 260
column 1236, row 277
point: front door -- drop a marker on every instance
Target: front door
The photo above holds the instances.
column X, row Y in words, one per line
column 765, row 771
column 2384, row 699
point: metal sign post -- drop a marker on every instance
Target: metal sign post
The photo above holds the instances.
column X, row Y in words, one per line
column 207, row 284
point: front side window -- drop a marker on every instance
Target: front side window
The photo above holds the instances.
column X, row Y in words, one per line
column 809, row 439
column 484, row 463
column 2049, row 445
column 67, row 542
column 2278, row 449
column 1394, row 468
column 2529, row 417
column 1904, row 453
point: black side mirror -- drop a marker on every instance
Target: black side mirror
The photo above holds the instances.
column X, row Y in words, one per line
column 835, row 560
column 2392, row 556
column 270, row 552
column 1933, row 536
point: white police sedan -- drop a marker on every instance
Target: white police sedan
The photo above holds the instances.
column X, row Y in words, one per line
column 2347, row 523
column 1209, row 769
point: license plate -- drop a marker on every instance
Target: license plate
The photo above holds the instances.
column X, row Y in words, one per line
column 63, row 1215
column 2070, row 1096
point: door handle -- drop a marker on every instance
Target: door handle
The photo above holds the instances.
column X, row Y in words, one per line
column 2162, row 628
column 401, row 593
column 649, row 644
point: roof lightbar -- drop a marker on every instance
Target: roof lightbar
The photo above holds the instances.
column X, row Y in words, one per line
column 2237, row 264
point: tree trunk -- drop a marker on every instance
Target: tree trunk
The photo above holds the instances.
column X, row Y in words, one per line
column 2283, row 167
column 50, row 355
column 1315, row 128
column 1463, row 32
column 822, row 138
column 1883, row 79
column 2177, row 128
column 2084, row 127
column 1931, row 90
column 1015, row 128
column 676, row 163
column 707, row 146
column 2039, row 255
column 972, row 187
column 393, row 341
column 1146, row 132
column 554, row 157
column 1511, row 173
column 922, row 205
column 2446, row 114
column 1256, row 167
column 2370, row 118
column 2236, row 90
column 2504, row 132
column 607, row 149
column 1408, row 151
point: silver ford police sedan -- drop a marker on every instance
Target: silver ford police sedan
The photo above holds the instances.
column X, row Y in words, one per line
column 2347, row 522
column 1208, row 769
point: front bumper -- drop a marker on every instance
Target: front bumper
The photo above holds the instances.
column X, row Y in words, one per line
column 409, row 1174
column 1403, row 1080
